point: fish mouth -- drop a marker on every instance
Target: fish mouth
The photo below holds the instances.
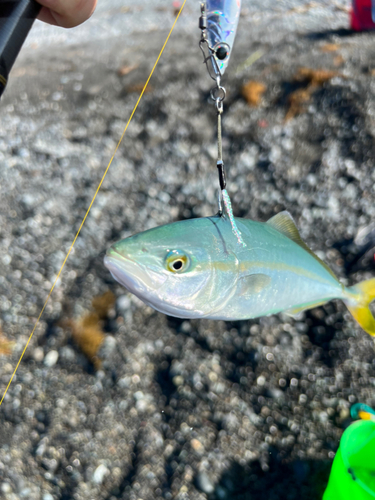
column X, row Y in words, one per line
column 147, row 284
column 133, row 275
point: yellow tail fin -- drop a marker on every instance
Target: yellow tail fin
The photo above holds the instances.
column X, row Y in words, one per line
column 363, row 294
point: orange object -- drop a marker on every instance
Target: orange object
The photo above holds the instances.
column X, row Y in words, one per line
column 252, row 92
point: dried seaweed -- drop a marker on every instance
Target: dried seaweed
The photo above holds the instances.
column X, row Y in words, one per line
column 310, row 80
column 6, row 345
column 252, row 92
column 87, row 331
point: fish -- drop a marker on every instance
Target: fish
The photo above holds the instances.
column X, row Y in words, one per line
column 196, row 268
column 222, row 21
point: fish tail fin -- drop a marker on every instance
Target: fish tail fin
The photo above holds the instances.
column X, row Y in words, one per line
column 360, row 297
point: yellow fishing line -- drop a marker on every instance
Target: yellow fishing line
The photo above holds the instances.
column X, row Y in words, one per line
column 92, row 201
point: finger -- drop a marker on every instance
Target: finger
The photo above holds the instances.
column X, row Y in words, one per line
column 66, row 13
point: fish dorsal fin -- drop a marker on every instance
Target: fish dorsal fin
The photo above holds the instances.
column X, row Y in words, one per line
column 284, row 223
column 253, row 284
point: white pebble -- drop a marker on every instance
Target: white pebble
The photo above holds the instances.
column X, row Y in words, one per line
column 6, row 488
column 7, row 259
column 204, row 483
column 139, row 395
column 38, row 354
column 51, row 358
column 141, row 405
column 123, row 303
column 100, row 472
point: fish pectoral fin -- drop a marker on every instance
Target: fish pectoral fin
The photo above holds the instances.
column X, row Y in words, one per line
column 284, row 223
column 253, row 284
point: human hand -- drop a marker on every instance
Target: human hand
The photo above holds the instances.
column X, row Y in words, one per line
column 66, row 13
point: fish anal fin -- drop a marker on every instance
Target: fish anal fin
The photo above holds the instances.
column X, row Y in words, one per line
column 253, row 284
column 284, row 223
column 296, row 311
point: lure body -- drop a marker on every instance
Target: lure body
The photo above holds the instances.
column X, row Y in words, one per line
column 222, row 21
column 197, row 269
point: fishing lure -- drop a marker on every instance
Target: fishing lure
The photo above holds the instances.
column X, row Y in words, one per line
column 196, row 269
column 219, row 22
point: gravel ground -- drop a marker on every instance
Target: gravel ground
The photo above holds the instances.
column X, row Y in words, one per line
column 173, row 409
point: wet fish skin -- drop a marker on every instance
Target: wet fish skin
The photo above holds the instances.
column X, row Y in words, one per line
column 196, row 269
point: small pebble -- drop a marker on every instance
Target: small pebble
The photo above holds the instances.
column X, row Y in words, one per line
column 196, row 445
column 141, row 405
column 221, row 493
column 100, row 472
column 51, row 358
column 6, row 488
column 68, row 354
column 38, row 354
column 204, row 483
column 123, row 303
column 178, row 380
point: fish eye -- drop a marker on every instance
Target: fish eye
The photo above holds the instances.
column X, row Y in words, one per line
column 177, row 261
column 222, row 51
column 177, row 264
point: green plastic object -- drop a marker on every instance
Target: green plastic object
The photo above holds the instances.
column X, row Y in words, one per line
column 353, row 470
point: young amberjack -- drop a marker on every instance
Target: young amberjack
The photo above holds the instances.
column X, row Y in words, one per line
column 197, row 269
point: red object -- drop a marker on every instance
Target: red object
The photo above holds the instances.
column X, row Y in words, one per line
column 362, row 15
